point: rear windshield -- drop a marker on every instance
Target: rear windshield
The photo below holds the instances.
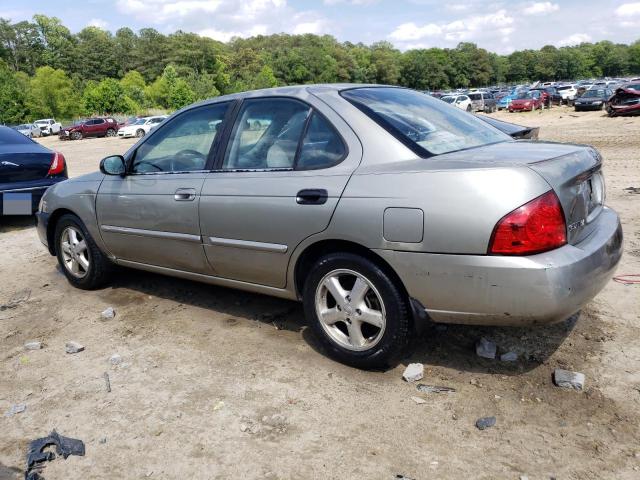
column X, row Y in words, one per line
column 475, row 96
column 448, row 99
column 426, row 125
column 564, row 87
column 594, row 93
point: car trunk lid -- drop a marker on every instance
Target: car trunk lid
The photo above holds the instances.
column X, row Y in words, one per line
column 23, row 167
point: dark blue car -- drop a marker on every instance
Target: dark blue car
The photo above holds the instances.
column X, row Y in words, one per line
column 27, row 169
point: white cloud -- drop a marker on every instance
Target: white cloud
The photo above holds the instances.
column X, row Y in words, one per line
column 98, row 22
column 575, row 39
column 497, row 26
column 628, row 10
column 308, row 27
column 541, row 8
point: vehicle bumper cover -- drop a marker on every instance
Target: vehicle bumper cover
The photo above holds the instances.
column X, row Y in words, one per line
column 42, row 221
column 36, row 195
column 509, row 290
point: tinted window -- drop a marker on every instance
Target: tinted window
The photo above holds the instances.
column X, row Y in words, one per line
column 266, row 134
column 321, row 147
column 475, row 96
column 98, row 121
column 182, row 144
column 426, row 125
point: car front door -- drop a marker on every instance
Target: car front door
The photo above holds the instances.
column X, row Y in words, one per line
column 96, row 127
column 150, row 216
column 278, row 182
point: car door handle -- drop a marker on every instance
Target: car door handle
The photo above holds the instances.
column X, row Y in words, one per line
column 314, row 196
column 185, row 195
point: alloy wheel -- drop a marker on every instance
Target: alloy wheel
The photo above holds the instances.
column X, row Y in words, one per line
column 75, row 254
column 350, row 310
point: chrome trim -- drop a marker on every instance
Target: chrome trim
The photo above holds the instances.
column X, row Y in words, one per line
column 187, row 237
column 246, row 244
column 30, row 189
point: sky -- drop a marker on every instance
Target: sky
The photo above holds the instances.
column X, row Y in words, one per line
column 498, row 26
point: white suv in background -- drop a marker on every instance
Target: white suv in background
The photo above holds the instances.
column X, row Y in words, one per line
column 140, row 127
column 48, row 126
column 567, row 92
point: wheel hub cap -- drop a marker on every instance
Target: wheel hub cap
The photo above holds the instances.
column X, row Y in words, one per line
column 75, row 255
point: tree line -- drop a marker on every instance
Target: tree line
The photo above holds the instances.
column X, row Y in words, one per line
column 47, row 71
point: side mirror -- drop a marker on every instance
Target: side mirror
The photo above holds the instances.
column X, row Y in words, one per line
column 113, row 165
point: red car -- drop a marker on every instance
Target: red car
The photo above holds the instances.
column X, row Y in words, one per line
column 90, row 127
column 527, row 101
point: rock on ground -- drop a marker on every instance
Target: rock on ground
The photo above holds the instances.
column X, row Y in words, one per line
column 108, row 313
column 33, row 345
column 485, row 422
column 413, row 372
column 73, row 347
column 567, row 379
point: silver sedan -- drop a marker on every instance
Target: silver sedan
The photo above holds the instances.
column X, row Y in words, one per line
column 377, row 207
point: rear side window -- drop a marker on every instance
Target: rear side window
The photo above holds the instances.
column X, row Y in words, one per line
column 321, row 147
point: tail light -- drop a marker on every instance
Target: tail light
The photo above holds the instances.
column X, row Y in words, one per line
column 534, row 227
column 57, row 164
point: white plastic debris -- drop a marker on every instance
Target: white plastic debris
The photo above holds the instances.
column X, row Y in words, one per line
column 109, row 313
column 486, row 348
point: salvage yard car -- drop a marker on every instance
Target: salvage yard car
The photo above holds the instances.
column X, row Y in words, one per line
column 592, row 99
column 30, row 130
column 140, row 127
column 48, row 126
column 527, row 101
column 90, row 127
column 27, row 169
column 378, row 207
column 461, row 101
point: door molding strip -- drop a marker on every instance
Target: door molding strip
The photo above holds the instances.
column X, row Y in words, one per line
column 152, row 233
column 248, row 245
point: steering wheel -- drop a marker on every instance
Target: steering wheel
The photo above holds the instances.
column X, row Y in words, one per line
column 181, row 158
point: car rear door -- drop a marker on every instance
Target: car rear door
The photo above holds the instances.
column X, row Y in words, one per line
column 150, row 216
column 279, row 180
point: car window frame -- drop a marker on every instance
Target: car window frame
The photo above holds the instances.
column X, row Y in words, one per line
column 213, row 150
column 230, row 130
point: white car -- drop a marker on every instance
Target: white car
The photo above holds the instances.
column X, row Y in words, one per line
column 140, row 127
column 30, row 130
column 48, row 126
column 461, row 101
column 567, row 92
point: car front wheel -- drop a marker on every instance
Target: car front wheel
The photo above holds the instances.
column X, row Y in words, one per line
column 357, row 310
column 111, row 132
column 76, row 135
column 140, row 133
column 82, row 262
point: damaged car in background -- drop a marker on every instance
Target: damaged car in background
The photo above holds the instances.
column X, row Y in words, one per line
column 625, row 100
column 376, row 207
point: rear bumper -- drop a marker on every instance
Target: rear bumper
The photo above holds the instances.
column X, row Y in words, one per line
column 499, row 290
column 36, row 195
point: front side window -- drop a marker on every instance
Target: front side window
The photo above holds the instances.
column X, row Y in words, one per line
column 183, row 144
column 427, row 126
column 321, row 147
column 266, row 134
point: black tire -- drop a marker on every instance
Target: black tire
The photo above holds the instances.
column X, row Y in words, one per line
column 76, row 136
column 396, row 336
column 140, row 133
column 110, row 132
column 100, row 267
column 468, row 108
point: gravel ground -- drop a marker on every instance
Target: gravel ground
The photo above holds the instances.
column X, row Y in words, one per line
column 217, row 383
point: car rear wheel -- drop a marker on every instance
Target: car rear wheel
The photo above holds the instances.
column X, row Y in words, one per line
column 111, row 132
column 80, row 259
column 357, row 311
column 139, row 133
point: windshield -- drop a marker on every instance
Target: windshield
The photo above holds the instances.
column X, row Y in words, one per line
column 525, row 96
column 448, row 99
column 140, row 121
column 23, row 127
column 425, row 125
column 594, row 93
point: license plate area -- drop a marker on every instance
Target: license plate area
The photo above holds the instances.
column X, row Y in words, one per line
column 17, row 203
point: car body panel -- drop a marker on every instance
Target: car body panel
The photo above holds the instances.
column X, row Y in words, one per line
column 254, row 232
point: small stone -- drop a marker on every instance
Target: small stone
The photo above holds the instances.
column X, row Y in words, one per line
column 486, row 348
column 485, row 422
column 413, row 372
column 418, row 400
column 33, row 345
column 509, row 357
column 218, row 406
column 15, row 409
column 109, row 313
column 244, row 427
column 103, row 440
column 74, row 347
column 566, row 379
column 524, row 477
column 115, row 359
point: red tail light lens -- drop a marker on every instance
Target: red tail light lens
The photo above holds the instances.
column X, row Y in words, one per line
column 57, row 164
column 535, row 227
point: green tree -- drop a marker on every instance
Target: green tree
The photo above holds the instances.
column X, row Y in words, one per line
column 12, row 97
column 107, row 97
column 51, row 94
column 180, row 95
column 133, row 85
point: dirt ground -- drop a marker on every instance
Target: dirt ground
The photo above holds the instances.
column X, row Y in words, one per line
column 217, row 383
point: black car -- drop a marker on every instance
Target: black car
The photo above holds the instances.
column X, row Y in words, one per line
column 593, row 99
column 27, row 169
